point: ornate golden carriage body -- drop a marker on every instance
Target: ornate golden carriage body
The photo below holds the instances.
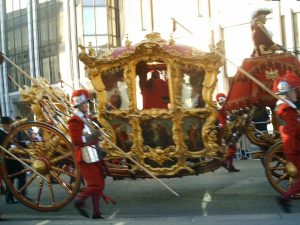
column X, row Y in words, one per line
column 169, row 131
column 172, row 139
column 165, row 127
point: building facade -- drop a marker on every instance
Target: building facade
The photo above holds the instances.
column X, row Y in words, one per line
column 42, row 36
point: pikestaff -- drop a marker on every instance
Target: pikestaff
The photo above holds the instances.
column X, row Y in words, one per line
column 14, row 156
column 105, row 137
column 19, row 160
column 95, row 103
column 13, row 80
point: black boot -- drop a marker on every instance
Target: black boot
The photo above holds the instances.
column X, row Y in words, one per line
column 97, row 216
column 224, row 164
column 284, row 204
column 233, row 169
column 2, row 190
column 79, row 205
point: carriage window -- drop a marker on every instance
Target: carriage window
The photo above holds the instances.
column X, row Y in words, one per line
column 191, row 93
column 152, row 85
column 116, row 90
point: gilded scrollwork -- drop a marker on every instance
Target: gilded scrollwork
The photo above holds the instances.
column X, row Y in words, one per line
column 263, row 140
column 177, row 61
column 210, row 134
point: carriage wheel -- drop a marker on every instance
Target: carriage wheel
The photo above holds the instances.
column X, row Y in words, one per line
column 276, row 169
column 49, row 152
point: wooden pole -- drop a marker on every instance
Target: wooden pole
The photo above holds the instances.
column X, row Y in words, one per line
column 18, row 68
column 15, row 82
column 19, row 160
column 175, row 21
column 120, row 150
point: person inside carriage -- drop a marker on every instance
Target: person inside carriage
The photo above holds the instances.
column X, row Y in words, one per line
column 88, row 155
column 231, row 143
column 261, row 36
column 155, row 92
column 288, row 116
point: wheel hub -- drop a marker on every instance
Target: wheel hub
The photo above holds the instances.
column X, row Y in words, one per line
column 291, row 169
column 41, row 165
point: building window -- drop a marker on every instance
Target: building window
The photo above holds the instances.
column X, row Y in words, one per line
column 93, row 2
column 101, row 23
column 142, row 15
column 113, row 23
column 283, row 34
column 296, row 32
column 200, row 8
column 17, row 42
column 50, row 12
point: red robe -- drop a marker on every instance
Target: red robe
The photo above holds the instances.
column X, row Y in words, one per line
column 156, row 94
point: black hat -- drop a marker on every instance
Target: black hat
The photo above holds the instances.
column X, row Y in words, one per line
column 260, row 12
column 18, row 117
column 6, row 120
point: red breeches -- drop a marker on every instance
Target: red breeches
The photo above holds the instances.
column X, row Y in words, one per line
column 295, row 187
column 229, row 158
column 230, row 152
column 93, row 176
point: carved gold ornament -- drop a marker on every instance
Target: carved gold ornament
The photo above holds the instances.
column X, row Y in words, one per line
column 127, row 67
column 272, row 74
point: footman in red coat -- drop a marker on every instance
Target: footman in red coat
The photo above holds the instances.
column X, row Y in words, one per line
column 87, row 157
column 290, row 133
column 231, row 144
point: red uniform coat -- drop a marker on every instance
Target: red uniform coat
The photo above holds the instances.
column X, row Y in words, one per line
column 222, row 117
column 91, row 172
column 231, row 150
column 290, row 133
column 262, row 40
column 290, row 130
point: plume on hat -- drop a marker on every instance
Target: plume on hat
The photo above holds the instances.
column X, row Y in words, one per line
column 220, row 96
column 290, row 77
column 80, row 96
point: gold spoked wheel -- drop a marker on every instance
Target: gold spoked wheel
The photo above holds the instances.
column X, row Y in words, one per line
column 276, row 169
column 49, row 152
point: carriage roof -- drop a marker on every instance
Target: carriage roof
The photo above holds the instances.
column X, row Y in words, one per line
column 153, row 47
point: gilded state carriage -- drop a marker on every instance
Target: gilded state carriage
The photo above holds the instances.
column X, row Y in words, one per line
column 162, row 128
column 154, row 101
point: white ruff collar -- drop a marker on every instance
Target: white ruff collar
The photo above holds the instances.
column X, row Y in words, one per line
column 79, row 113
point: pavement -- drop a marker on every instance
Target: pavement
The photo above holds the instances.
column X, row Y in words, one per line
column 215, row 198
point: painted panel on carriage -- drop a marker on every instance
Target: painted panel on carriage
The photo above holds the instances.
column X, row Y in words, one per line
column 157, row 133
column 192, row 128
column 158, row 143
column 123, row 132
column 116, row 90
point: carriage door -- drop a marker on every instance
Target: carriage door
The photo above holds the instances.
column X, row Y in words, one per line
column 153, row 104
